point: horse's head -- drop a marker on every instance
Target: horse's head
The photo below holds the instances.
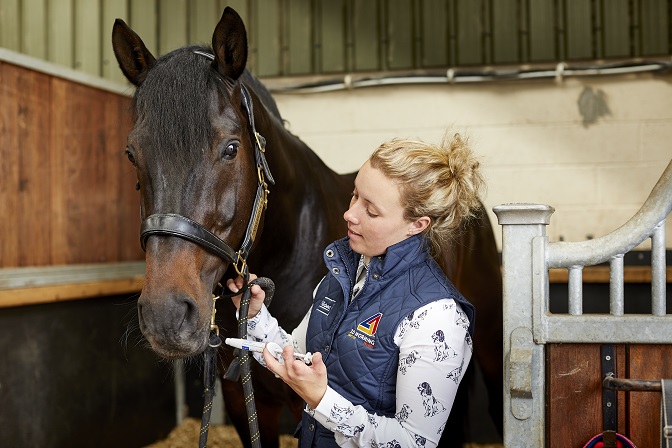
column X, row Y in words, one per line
column 193, row 147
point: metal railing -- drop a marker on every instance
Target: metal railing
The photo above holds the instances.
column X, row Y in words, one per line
column 527, row 255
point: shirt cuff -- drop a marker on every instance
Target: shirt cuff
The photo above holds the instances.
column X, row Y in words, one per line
column 254, row 327
column 330, row 401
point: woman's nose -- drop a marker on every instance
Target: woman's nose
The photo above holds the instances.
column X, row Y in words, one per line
column 349, row 215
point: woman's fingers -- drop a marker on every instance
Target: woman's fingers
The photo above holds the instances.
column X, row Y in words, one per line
column 256, row 299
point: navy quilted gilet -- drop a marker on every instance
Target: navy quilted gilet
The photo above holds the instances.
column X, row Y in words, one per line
column 357, row 339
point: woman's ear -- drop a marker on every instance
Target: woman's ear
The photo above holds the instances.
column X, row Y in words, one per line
column 419, row 225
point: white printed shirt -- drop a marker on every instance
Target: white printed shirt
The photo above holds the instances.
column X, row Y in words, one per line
column 434, row 351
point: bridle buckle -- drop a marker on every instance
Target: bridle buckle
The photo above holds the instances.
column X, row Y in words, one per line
column 240, row 265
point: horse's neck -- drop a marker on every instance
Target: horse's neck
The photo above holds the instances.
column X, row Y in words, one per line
column 308, row 196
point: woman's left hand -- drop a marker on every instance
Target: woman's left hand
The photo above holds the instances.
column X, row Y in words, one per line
column 310, row 382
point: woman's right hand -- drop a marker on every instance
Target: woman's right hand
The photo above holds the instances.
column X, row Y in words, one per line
column 257, row 299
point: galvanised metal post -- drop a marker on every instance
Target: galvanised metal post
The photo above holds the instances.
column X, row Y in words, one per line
column 524, row 403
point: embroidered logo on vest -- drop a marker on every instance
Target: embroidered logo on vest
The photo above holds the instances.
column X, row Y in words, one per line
column 368, row 327
column 326, row 305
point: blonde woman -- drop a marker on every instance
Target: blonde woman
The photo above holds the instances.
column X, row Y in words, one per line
column 391, row 335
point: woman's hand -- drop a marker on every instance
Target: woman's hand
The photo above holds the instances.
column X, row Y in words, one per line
column 256, row 300
column 310, row 382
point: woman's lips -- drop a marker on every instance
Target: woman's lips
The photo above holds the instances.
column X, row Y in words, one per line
column 353, row 234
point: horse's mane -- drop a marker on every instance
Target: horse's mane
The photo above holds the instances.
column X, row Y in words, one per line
column 262, row 92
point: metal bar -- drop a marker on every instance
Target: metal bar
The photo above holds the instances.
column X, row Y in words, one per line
column 616, row 299
column 613, row 383
column 609, row 398
column 597, row 328
column 658, row 271
column 575, row 290
column 522, row 226
column 589, row 253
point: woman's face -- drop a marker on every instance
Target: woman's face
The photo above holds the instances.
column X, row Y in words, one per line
column 375, row 217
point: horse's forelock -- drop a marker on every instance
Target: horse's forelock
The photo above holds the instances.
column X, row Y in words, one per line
column 172, row 104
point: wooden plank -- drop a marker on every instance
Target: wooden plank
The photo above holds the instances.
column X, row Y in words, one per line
column 647, row 362
column 469, row 31
column 267, row 30
column 400, row 50
column 61, row 33
column 542, row 29
column 9, row 168
column 435, row 33
column 654, row 28
column 144, row 20
column 128, row 199
column 111, row 10
column 332, row 19
column 88, row 37
column 75, row 291
column 85, row 174
column 59, row 137
column 112, row 154
column 33, row 28
column 616, row 29
column 172, row 25
column 298, row 29
column 574, row 393
column 578, row 30
column 366, row 22
column 10, row 31
column 34, row 176
column 203, row 17
column 39, row 276
column 600, row 274
column 505, row 32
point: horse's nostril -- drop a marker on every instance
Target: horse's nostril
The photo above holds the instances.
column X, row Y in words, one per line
column 190, row 320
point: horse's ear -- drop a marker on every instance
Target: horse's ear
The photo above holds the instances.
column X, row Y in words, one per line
column 229, row 41
column 134, row 58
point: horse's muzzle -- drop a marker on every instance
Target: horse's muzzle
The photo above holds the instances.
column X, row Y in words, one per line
column 173, row 325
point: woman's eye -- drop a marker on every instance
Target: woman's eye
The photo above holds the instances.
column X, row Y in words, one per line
column 372, row 215
column 230, row 151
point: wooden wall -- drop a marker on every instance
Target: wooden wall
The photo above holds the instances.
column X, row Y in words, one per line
column 574, row 393
column 67, row 191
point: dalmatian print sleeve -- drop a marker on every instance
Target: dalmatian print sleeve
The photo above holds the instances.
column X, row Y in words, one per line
column 264, row 328
column 434, row 351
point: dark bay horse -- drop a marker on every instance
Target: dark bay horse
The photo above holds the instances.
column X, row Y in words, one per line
column 193, row 147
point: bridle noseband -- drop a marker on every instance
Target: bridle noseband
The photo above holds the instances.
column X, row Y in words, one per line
column 171, row 224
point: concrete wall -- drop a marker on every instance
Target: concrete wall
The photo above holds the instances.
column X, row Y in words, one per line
column 530, row 136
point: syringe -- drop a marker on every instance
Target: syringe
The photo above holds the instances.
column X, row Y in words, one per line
column 273, row 348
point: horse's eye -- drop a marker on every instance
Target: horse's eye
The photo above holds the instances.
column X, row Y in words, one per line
column 230, row 151
column 129, row 154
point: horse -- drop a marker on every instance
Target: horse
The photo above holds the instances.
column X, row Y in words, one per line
column 201, row 164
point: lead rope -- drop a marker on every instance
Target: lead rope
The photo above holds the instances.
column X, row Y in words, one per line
column 241, row 362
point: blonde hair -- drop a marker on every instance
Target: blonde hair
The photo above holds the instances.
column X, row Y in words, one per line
column 439, row 181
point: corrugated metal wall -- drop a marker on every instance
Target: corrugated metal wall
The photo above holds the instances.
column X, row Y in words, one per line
column 300, row 37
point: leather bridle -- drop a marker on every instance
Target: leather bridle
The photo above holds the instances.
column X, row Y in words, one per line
column 171, row 224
